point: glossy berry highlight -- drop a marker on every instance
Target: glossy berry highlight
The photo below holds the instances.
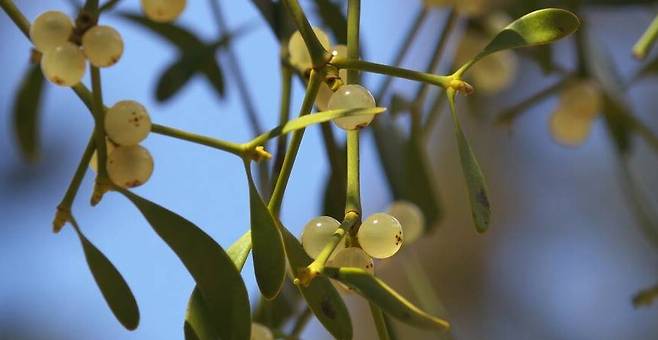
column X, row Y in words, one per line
column 317, row 233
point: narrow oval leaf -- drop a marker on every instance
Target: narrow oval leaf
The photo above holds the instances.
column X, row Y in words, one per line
column 217, row 278
column 214, row 74
column 176, row 75
column 114, row 288
column 536, row 28
column 380, row 294
column 268, row 252
column 320, row 295
column 239, row 250
column 26, row 112
column 477, row 188
column 182, row 38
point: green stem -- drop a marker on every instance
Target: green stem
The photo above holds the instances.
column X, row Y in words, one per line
column 353, row 24
column 317, row 77
column 16, row 16
column 80, row 171
column 353, row 198
column 108, row 5
column 380, row 322
column 284, row 116
column 409, row 37
column 433, row 79
column 645, row 132
column 648, row 38
column 301, row 322
column 319, row 55
column 99, row 118
column 234, row 148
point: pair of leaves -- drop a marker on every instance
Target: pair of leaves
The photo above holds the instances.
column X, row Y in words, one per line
column 218, row 280
column 113, row 286
column 406, row 167
column 26, row 112
column 196, row 57
column 383, row 296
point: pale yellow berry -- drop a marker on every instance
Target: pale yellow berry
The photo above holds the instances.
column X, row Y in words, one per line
column 127, row 123
column 491, row 74
column 102, row 45
column 49, row 30
column 323, row 96
column 579, row 104
column 411, row 219
column 129, row 166
column 317, row 233
column 380, row 235
column 352, row 97
column 163, row 10
column 64, row 65
column 299, row 54
column 340, row 51
column 260, row 332
column 352, row 257
column 93, row 162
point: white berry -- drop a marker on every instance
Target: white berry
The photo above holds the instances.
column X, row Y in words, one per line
column 64, row 65
column 410, row 217
column 299, row 54
column 102, row 45
column 127, row 123
column 380, row 235
column 579, row 104
column 323, row 96
column 109, row 147
column 317, row 233
column 352, row 257
column 129, row 166
column 340, row 51
column 49, row 30
column 352, row 97
column 260, row 332
column 493, row 73
column 163, row 10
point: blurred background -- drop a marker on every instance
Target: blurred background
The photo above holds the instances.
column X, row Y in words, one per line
column 562, row 259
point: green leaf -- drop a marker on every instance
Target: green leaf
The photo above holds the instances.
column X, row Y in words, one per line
column 536, row 28
column 380, row 294
column 477, row 188
column 275, row 14
column 268, row 250
column 645, row 297
column 332, row 16
column 316, row 118
column 26, row 112
column 320, row 295
column 407, row 169
column 175, row 76
column 217, row 278
column 182, row 38
column 114, row 288
column 198, row 325
column 275, row 313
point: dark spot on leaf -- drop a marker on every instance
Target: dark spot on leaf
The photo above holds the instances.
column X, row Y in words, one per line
column 327, row 308
column 482, row 198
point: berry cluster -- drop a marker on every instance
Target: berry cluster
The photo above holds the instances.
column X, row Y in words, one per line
column 66, row 49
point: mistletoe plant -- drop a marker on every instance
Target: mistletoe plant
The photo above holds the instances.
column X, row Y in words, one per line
column 339, row 250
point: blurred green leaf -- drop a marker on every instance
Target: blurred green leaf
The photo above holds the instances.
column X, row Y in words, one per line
column 217, row 278
column 617, row 118
column 639, row 203
column 332, row 16
column 320, row 295
column 650, row 69
column 477, row 188
column 645, row 297
column 26, row 112
column 407, row 169
column 198, row 325
column 618, row 2
column 115, row 290
column 181, row 71
column 536, row 28
column 268, row 249
column 182, row 38
column 275, row 15
column 380, row 294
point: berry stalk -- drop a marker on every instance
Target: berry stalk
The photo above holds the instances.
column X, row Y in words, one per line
column 648, row 38
column 98, row 110
column 353, row 198
column 234, row 148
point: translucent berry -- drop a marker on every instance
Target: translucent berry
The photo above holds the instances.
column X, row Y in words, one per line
column 583, row 97
column 109, row 147
column 163, row 10
column 260, row 332
column 352, row 257
column 129, row 166
column 493, row 73
column 410, row 217
column 352, row 97
column 317, row 232
column 49, row 30
column 380, row 235
column 299, row 55
column 102, row 45
column 323, row 96
column 64, row 65
column 341, row 51
column 579, row 104
column 127, row 123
